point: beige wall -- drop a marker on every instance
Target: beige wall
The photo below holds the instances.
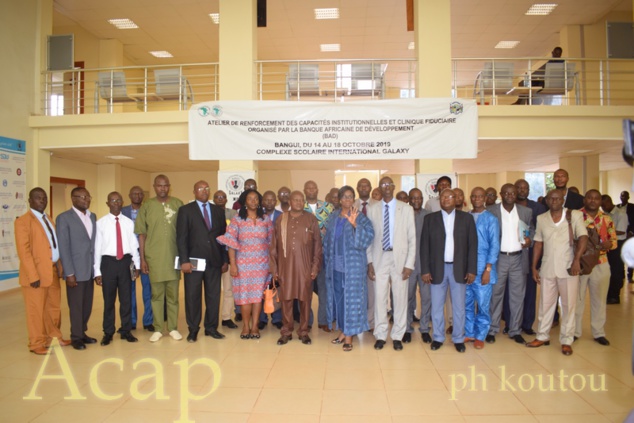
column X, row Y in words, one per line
column 183, row 183
column 617, row 181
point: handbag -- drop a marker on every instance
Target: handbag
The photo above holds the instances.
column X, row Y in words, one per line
column 590, row 257
column 271, row 299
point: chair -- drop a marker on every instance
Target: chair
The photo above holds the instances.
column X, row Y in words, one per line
column 112, row 87
column 559, row 78
column 495, row 79
column 171, row 85
column 303, row 79
column 367, row 79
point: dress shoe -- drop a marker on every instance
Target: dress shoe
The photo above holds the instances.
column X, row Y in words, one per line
column 284, row 339
column 449, row 330
column 229, row 323
column 613, row 301
column 305, row 339
column 426, row 337
column 238, row 317
column 106, row 340
column 156, row 336
column 40, row 351
column 398, row 345
column 378, row 345
column 519, row 339
column 129, row 337
column 537, row 343
column 566, row 350
column 460, row 347
column 478, row 345
column 505, row 331
column 149, row 327
column 78, row 345
column 278, row 325
column 529, row 331
column 325, row 328
column 261, row 325
column 490, row 339
column 176, row 335
column 62, row 342
column 574, row 339
column 602, row 340
column 435, row 345
column 407, row 338
column 88, row 340
column 192, row 337
column 214, row 334
column 468, row 339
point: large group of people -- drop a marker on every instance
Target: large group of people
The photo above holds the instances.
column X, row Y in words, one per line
column 366, row 254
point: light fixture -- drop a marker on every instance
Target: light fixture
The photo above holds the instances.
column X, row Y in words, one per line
column 330, row 47
column 215, row 17
column 161, row 54
column 541, row 9
column 123, row 23
column 507, row 44
column 119, row 157
column 329, row 13
column 411, row 45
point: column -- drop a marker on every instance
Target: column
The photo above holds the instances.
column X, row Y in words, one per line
column 432, row 27
column 583, row 171
column 108, row 180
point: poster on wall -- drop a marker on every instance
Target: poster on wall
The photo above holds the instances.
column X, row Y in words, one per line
column 232, row 183
column 14, row 204
column 426, row 182
column 431, row 128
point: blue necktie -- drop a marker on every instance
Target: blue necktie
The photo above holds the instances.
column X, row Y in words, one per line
column 386, row 228
column 206, row 215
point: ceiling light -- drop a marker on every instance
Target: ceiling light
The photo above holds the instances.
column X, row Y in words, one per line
column 411, row 45
column 330, row 47
column 161, row 54
column 215, row 17
column 507, row 44
column 330, row 13
column 541, row 9
column 123, row 23
column 119, row 157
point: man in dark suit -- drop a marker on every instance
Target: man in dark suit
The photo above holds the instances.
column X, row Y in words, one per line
column 448, row 257
column 198, row 225
column 76, row 230
column 572, row 200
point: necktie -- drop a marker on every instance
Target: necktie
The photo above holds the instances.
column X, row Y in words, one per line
column 119, row 240
column 386, row 228
column 49, row 230
column 363, row 209
column 206, row 216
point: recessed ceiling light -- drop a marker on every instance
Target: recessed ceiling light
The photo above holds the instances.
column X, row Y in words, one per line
column 541, row 9
column 507, row 44
column 411, row 45
column 215, row 17
column 330, row 47
column 330, row 13
column 354, row 165
column 123, row 23
column 161, row 54
column 119, row 157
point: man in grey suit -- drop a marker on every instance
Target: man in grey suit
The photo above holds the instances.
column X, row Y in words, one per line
column 391, row 256
column 76, row 230
column 448, row 260
column 516, row 232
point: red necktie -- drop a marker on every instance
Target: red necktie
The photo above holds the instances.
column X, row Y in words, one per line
column 364, row 210
column 119, row 241
column 206, row 216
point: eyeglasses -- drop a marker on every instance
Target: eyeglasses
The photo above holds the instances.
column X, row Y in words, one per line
column 347, row 197
column 249, row 186
column 115, row 201
column 284, row 194
column 219, row 197
column 448, row 196
column 207, row 189
column 386, row 185
column 83, row 197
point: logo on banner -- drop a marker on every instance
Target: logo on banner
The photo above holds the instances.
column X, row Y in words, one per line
column 455, row 108
column 235, row 183
column 204, row 111
column 430, row 188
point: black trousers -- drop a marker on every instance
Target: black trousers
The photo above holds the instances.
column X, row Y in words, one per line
column 80, row 307
column 617, row 271
column 195, row 283
column 115, row 277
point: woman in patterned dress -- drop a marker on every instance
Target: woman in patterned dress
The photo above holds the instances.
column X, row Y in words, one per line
column 248, row 237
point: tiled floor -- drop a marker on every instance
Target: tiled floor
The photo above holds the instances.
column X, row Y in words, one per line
column 258, row 381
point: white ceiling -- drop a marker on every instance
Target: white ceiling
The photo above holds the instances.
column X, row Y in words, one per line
column 367, row 29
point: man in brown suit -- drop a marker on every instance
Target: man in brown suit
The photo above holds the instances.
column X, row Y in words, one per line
column 36, row 243
column 295, row 261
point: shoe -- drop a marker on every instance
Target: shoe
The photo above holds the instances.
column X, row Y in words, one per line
column 229, row 323
column 478, row 345
column 574, row 339
column 449, row 330
column 407, row 338
column 529, row 331
column 41, row 351
column 245, row 336
column 238, row 317
column 156, row 336
column 214, row 334
column 555, row 323
column 490, row 339
column 176, row 335
column 415, row 319
column 435, row 345
column 284, row 339
column 537, row 343
column 378, row 345
column 149, row 327
column 278, row 325
column 255, row 335
column 347, row 347
column 106, row 340
column 426, row 337
column 602, row 340
column 325, row 328
column 192, row 337
column 78, row 345
column 566, row 350
column 519, row 339
column 505, row 331
column 338, row 341
column 62, row 342
column 398, row 345
column 468, row 339
column 460, row 347
column 613, row 301
column 88, row 340
column 305, row 340
column 261, row 325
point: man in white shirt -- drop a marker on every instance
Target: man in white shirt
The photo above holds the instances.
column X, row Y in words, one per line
column 116, row 248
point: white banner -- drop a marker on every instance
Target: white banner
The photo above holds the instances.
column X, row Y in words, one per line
column 437, row 128
column 232, row 183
